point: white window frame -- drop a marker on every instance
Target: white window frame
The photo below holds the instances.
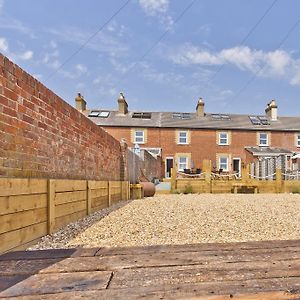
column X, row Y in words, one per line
column 185, row 164
column 222, row 139
column 139, row 139
column 266, row 139
column 184, row 137
column 222, row 163
column 298, row 139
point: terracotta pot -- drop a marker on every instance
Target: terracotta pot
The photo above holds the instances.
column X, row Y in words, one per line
column 149, row 189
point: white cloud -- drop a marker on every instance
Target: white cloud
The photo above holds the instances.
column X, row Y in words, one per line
column 1, row 5
column 27, row 55
column 102, row 43
column 158, row 8
column 277, row 63
column 82, row 69
column 3, row 45
column 153, row 7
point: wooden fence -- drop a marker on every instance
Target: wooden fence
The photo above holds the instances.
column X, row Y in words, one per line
column 32, row 208
column 209, row 184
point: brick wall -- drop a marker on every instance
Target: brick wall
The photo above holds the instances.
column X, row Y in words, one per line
column 43, row 136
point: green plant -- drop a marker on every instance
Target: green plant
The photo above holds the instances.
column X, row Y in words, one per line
column 295, row 190
column 188, row 189
column 175, row 192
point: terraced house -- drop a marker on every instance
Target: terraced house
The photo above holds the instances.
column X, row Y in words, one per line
column 184, row 140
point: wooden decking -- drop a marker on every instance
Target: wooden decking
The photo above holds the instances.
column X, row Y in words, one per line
column 254, row 270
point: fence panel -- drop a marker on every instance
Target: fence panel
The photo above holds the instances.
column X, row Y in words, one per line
column 23, row 212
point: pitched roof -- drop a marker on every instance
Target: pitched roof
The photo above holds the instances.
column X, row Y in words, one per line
column 192, row 121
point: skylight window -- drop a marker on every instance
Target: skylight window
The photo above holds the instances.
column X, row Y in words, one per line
column 181, row 116
column 219, row 117
column 255, row 120
column 264, row 120
column 94, row 113
column 141, row 115
column 103, row 114
column 98, row 113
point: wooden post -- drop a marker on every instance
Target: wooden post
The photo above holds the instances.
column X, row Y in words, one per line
column 88, row 198
column 128, row 190
column 173, row 179
column 279, row 181
column 245, row 173
column 109, row 193
column 206, row 168
column 51, row 206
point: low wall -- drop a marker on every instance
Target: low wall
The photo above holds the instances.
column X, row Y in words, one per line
column 32, row 208
column 227, row 186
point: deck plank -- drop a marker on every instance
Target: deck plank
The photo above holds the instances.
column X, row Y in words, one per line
column 270, row 269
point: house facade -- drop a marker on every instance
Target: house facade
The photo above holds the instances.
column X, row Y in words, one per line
column 184, row 140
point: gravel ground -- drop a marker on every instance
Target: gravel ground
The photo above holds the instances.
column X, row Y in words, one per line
column 184, row 219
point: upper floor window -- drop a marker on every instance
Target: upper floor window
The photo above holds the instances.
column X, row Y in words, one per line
column 223, row 138
column 182, row 163
column 263, row 139
column 182, row 137
column 298, row 140
column 139, row 137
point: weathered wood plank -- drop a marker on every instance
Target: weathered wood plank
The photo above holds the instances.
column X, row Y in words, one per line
column 192, row 275
column 98, row 184
column 49, row 253
column 64, row 220
column 55, row 283
column 18, row 186
column 67, row 197
column 164, row 260
column 62, row 185
column 13, row 204
column 22, row 219
column 284, row 244
column 99, row 193
column 280, row 288
column 12, row 239
column 69, row 208
column 8, row 280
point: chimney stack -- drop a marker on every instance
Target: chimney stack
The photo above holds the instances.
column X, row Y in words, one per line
column 200, row 108
column 80, row 103
column 123, row 106
column 271, row 110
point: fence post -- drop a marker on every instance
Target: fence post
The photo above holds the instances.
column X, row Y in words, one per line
column 51, row 206
column 245, row 173
column 279, row 181
column 109, row 193
column 206, row 166
column 89, row 198
column 173, row 179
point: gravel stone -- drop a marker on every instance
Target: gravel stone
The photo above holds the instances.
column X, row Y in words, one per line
column 184, row 219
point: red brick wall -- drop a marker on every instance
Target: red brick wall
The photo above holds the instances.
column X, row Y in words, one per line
column 203, row 143
column 43, row 136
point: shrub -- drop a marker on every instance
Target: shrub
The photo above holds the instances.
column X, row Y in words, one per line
column 188, row 189
column 295, row 190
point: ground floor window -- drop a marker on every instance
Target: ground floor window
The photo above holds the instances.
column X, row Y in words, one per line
column 182, row 163
column 223, row 163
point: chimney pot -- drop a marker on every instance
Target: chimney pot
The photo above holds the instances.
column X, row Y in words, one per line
column 200, row 108
column 122, row 105
column 80, row 103
column 272, row 110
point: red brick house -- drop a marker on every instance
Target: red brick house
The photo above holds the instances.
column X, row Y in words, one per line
column 186, row 139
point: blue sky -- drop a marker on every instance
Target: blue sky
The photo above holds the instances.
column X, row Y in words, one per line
column 41, row 35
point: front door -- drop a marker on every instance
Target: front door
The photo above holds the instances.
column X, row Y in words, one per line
column 237, row 166
column 169, row 166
